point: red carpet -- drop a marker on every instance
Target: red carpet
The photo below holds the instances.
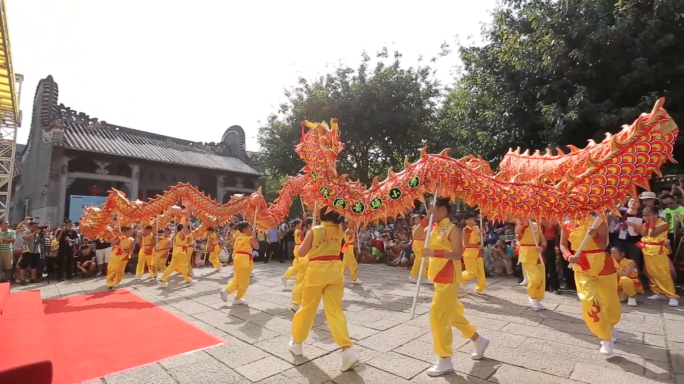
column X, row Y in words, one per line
column 96, row 335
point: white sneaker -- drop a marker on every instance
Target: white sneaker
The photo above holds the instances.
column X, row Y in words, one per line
column 673, row 303
column 284, row 281
column 192, row 281
column 350, row 360
column 480, row 293
column 623, row 296
column 428, row 281
column 295, row 349
column 481, row 345
column 412, row 279
column 239, row 302
column 536, row 305
column 606, row 348
column 162, row 284
column 613, row 335
column 523, row 283
column 224, row 295
column 657, row 297
column 294, row 308
column 631, row 302
column 442, row 367
column 356, row 282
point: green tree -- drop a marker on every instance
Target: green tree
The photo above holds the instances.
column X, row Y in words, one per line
column 384, row 112
column 556, row 72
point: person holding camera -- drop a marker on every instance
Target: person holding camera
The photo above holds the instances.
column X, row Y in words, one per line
column 31, row 252
column 65, row 253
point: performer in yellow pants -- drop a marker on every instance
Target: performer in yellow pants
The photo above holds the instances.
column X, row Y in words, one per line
column 294, row 269
column 303, row 262
column 324, row 278
column 243, row 262
column 161, row 252
column 213, row 248
column 121, row 253
column 532, row 244
column 595, row 278
column 417, row 246
column 146, row 255
column 472, row 255
column 628, row 276
column 349, row 260
column 653, row 244
column 179, row 261
column 445, row 250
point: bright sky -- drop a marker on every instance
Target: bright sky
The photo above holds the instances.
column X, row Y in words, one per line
column 192, row 68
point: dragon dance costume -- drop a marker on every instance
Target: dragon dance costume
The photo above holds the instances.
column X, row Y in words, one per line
column 472, row 258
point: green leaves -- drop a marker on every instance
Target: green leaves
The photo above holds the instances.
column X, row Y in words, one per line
column 555, row 72
column 384, row 109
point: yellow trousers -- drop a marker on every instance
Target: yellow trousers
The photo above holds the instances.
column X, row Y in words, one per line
column 600, row 302
column 179, row 263
column 239, row 282
column 161, row 262
column 447, row 311
column 474, row 270
column 323, row 279
column 416, row 263
column 349, row 261
column 299, row 283
column 293, row 271
column 659, row 275
column 115, row 271
column 145, row 260
column 629, row 287
column 536, row 280
column 214, row 260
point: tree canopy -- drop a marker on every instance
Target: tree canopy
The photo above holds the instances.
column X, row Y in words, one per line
column 384, row 111
column 557, row 72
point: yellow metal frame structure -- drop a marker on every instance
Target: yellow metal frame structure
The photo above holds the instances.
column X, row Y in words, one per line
column 10, row 115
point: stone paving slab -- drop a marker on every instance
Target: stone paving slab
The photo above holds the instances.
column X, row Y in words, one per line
column 528, row 347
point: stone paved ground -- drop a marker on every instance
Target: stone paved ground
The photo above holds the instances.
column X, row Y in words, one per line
column 554, row 346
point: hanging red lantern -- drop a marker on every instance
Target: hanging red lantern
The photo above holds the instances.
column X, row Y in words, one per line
column 94, row 190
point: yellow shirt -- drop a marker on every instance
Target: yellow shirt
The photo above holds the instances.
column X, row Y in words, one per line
column 528, row 253
column 417, row 245
column 161, row 244
column 447, row 270
column 242, row 251
column 622, row 266
column 594, row 260
column 349, row 243
column 327, row 243
column 147, row 246
column 298, row 238
column 655, row 245
column 125, row 247
column 473, row 233
column 212, row 242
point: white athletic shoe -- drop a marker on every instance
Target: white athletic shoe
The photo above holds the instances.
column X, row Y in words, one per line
column 162, row 284
column 428, row 281
column 295, row 349
column 239, row 302
column 606, row 348
column 412, row 279
column 522, row 283
column 192, row 281
column 442, row 367
column 623, row 296
column 481, row 345
column 224, row 295
column 673, row 303
column 657, row 297
column 294, row 308
column 356, row 282
column 284, row 281
column 613, row 335
column 480, row 293
column 631, row 302
column 536, row 305
column 350, row 360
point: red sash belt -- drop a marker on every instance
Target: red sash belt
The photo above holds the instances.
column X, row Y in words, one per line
column 643, row 245
column 148, row 252
column 251, row 257
column 214, row 248
column 608, row 265
column 344, row 247
column 446, row 275
column 324, row 258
